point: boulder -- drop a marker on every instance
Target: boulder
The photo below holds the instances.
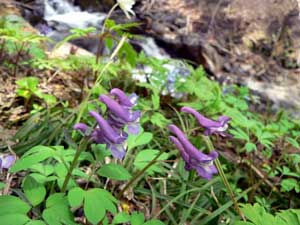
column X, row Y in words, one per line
column 254, row 43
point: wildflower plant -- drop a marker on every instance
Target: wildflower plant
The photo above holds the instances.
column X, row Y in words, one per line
column 120, row 167
column 119, row 114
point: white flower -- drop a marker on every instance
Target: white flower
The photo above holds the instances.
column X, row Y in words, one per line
column 126, row 6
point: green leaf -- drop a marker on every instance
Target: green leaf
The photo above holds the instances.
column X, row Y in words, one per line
column 28, row 83
column 96, row 202
column 40, row 154
column 57, row 211
column 12, row 205
column 250, row 147
column 154, row 222
column 254, row 213
column 75, row 197
column 240, row 134
column 137, row 218
column 141, row 139
column 49, row 99
column 13, row 219
column 155, row 101
column 293, row 142
column 34, row 191
column 36, row 222
column 159, row 120
column 145, row 156
column 114, row 171
column 289, row 217
column 243, row 223
column 93, row 208
column 2, row 185
column 121, row 217
column 289, row 184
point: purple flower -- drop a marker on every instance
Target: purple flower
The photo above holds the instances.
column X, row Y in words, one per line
column 104, row 133
column 82, row 127
column 6, row 161
column 194, row 159
column 122, row 98
column 210, row 126
column 120, row 113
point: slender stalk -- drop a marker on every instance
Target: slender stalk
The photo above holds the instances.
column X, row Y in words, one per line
column 138, row 174
column 2, row 49
column 18, row 58
column 80, row 148
column 223, row 177
column 102, row 33
column 98, row 80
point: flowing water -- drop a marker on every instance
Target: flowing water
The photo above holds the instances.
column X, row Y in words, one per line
column 62, row 16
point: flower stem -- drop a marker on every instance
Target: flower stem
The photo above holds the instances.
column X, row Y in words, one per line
column 223, row 177
column 80, row 148
column 138, row 174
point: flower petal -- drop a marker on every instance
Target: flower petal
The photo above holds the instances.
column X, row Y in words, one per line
column 7, row 161
column 190, row 149
column 118, row 151
column 81, row 126
column 121, row 96
column 134, row 128
column 106, row 130
column 179, row 146
column 116, row 108
column 203, row 121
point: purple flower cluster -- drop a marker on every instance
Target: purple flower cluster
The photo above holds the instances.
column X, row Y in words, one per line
column 110, row 131
column 6, row 161
column 195, row 159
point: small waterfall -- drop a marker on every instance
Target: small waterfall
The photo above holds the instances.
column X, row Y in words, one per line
column 64, row 13
column 150, row 48
column 63, row 16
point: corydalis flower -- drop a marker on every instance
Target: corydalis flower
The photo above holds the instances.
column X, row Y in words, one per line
column 119, row 114
column 194, row 159
column 6, row 161
column 210, row 126
column 126, row 6
column 120, row 111
column 104, row 133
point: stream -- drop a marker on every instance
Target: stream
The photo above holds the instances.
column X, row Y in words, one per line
column 60, row 16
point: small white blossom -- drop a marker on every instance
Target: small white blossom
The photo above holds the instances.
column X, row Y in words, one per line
column 126, row 6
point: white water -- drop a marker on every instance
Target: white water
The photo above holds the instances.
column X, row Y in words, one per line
column 151, row 48
column 64, row 16
column 63, row 12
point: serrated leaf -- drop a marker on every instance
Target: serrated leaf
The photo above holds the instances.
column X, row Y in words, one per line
column 250, row 147
column 293, row 142
column 159, row 120
column 155, row 101
column 114, row 171
column 240, row 134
